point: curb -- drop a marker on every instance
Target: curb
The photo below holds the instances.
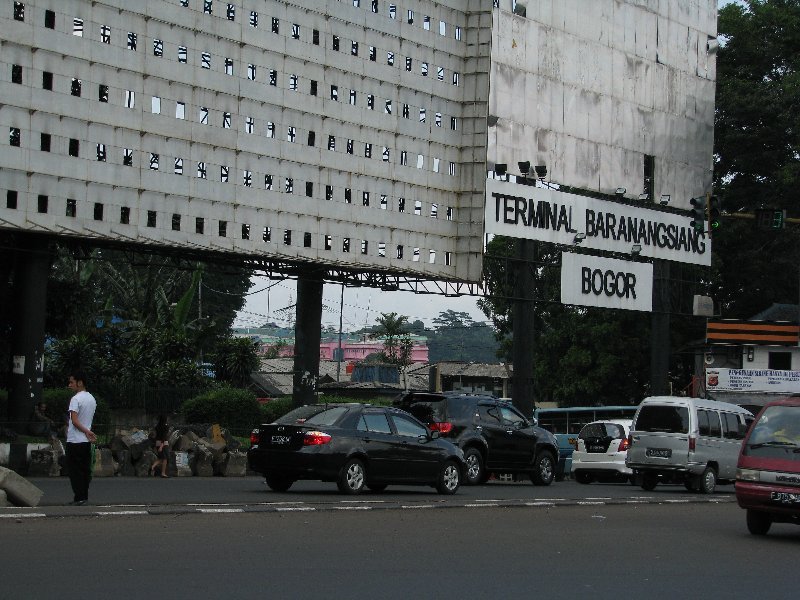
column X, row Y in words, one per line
column 19, row 514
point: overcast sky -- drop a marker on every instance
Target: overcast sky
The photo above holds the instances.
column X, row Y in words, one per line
column 271, row 301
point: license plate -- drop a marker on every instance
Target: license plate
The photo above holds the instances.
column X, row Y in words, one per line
column 659, row 452
column 281, row 439
column 785, row 497
column 596, row 449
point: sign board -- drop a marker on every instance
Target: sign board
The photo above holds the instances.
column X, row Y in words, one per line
column 606, row 282
column 18, row 365
column 548, row 215
column 753, row 380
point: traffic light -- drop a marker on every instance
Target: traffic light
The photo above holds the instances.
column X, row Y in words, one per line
column 714, row 214
column 698, row 213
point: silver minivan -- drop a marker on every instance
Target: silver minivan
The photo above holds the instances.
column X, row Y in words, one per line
column 686, row 440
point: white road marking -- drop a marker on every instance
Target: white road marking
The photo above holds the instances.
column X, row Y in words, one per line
column 21, row 515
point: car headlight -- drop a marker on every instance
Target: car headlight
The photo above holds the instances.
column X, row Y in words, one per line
column 748, row 475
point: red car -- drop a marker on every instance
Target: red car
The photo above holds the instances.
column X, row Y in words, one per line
column 768, row 472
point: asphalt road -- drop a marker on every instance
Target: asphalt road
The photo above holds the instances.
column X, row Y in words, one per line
column 652, row 551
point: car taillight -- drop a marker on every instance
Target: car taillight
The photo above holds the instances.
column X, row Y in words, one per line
column 624, row 444
column 316, row 438
column 692, row 442
column 254, row 439
column 443, row 427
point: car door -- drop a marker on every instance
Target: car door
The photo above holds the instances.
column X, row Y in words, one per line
column 504, row 429
column 522, row 442
column 416, row 457
column 379, row 444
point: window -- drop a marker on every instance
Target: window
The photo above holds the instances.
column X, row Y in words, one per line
column 399, row 252
column 392, row 11
column 442, row 28
column 455, row 78
column 348, row 196
column 253, row 23
column 457, row 33
column 368, row 150
column 47, row 81
column 155, row 105
column 373, row 53
column 230, row 12
column 328, row 192
column 98, row 211
column 365, row 198
column 267, row 235
column 275, row 25
column 101, row 152
column 102, row 93
column 335, row 43
column 178, row 166
column 349, row 146
column 295, row 31
column 328, row 242
column 11, row 199
column 417, row 207
column 205, row 60
column 77, row 27
column 312, row 88
column 293, row 83
column 251, row 71
column 199, row 225
column 422, row 114
column 375, row 6
column 125, row 215
column 16, row 73
column 438, row 119
column 289, row 185
column 208, row 8
column 390, row 59
column 435, row 165
column 346, row 245
column 403, row 158
column 131, row 41
column 309, row 189
column 424, row 69
column 440, row 73
column 410, row 16
column 376, row 422
column 50, row 19
column 180, row 110
column 226, row 120
column 387, row 107
column 223, row 174
column 273, row 77
column 130, row 98
column 127, row 157
column 780, row 361
column 426, row 23
column 151, row 218
column 406, row 111
column 75, row 89
column 247, row 178
column 249, row 124
column 44, row 142
column 311, row 138
column 335, row 93
column 19, row 11
column 371, row 101
column 384, row 202
column 270, row 129
column 267, row 182
column 385, row 154
column 74, row 147
column 287, row 237
column 42, row 203
column 201, row 170
column 245, row 231
column 203, row 115
column 452, row 170
column 158, row 47
column 364, row 246
column 222, row 229
column 182, row 54
column 408, row 63
column 315, row 37
column 353, row 96
column 454, row 123
column 176, row 222
column 154, row 158
column 291, row 133
column 401, row 205
column 381, row 249
column 354, row 48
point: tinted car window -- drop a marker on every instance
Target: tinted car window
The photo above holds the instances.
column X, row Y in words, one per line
column 509, row 415
column 300, row 414
column 406, row 426
column 461, row 408
column 665, row 418
column 714, row 429
column 730, row 426
column 489, row 414
column 329, row 416
column 377, row 422
column 432, row 411
column 611, row 430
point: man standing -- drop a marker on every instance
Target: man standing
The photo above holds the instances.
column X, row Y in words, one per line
column 80, row 438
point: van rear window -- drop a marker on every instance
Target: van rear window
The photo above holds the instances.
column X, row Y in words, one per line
column 669, row 419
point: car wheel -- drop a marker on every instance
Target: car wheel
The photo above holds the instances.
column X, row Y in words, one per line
column 352, row 477
column 582, row 477
column 649, row 482
column 475, row 470
column 376, row 487
column 707, row 482
column 758, row 523
column 543, row 469
column 449, row 478
column 278, row 484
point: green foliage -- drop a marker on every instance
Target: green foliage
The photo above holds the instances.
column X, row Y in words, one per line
column 57, row 400
column 234, row 359
column 233, row 408
column 275, row 408
column 457, row 337
column 756, row 143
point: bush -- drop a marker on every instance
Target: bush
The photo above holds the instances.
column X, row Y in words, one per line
column 233, row 408
column 274, row 409
column 57, row 400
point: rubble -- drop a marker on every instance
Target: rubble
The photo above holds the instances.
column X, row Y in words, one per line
column 18, row 490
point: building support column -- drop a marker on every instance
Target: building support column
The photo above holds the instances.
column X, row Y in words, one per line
column 308, row 331
column 660, row 347
column 29, row 302
column 523, row 343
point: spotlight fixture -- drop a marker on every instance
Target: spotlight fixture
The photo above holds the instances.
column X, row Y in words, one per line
column 500, row 169
column 636, row 250
column 541, row 171
column 519, row 9
column 664, row 199
column 644, row 197
column 524, row 167
column 712, row 45
column 579, row 237
column 491, row 120
column 620, row 191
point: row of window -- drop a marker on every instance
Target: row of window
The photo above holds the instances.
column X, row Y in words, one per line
column 43, row 206
column 248, row 178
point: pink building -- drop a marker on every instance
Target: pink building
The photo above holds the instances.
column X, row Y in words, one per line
column 354, row 351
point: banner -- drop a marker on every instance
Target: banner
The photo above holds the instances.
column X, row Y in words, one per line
column 753, row 380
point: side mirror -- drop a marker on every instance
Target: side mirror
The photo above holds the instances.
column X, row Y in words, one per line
column 434, row 435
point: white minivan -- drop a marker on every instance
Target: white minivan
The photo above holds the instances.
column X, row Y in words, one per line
column 686, row 440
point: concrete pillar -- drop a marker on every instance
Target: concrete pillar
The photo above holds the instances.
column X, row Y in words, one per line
column 660, row 347
column 307, row 335
column 523, row 343
column 29, row 305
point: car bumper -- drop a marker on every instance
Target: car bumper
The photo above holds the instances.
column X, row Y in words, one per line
column 304, row 464
column 614, row 463
column 774, row 499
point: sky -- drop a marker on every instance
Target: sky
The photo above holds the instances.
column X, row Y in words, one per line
column 273, row 301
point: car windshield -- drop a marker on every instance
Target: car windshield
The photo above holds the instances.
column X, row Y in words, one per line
column 776, row 433
column 663, row 417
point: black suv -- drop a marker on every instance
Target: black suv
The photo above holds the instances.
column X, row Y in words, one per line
column 495, row 436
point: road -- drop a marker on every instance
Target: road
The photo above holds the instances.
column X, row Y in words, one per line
column 652, row 551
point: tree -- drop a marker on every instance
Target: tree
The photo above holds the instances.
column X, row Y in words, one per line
column 457, row 337
column 234, row 359
column 397, row 343
column 757, row 141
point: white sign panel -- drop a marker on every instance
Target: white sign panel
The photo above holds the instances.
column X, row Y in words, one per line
column 18, row 365
column 547, row 215
column 606, row 282
column 753, row 380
